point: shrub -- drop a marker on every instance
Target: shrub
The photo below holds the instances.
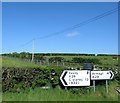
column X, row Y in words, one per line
column 17, row 79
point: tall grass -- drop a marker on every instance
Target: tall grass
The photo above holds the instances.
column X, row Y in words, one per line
column 58, row 94
column 7, row 62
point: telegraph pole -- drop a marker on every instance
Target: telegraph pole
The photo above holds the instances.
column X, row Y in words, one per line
column 33, row 48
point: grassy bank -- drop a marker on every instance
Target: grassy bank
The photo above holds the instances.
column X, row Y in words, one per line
column 58, row 94
column 10, row 62
column 7, row 62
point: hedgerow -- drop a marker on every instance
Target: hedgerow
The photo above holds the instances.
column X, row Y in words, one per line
column 18, row 79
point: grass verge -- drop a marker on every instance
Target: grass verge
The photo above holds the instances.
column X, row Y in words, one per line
column 58, row 94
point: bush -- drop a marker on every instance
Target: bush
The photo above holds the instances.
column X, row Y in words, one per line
column 17, row 79
column 85, row 60
column 56, row 59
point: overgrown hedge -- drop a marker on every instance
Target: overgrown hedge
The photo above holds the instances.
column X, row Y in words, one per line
column 18, row 79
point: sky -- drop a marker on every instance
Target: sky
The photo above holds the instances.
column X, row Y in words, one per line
column 24, row 21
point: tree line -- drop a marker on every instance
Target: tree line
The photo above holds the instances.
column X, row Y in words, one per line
column 27, row 54
column 52, row 58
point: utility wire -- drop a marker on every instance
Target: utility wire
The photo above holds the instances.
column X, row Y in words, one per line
column 20, row 46
column 73, row 27
column 81, row 24
column 26, row 43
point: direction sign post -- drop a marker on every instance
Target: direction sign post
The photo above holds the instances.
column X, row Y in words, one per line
column 94, row 85
column 75, row 78
column 82, row 77
column 102, row 75
column 106, row 87
column 65, row 88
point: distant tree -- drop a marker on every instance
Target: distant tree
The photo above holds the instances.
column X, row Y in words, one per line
column 39, row 57
column 23, row 55
column 56, row 59
column 85, row 60
column 15, row 54
column 77, row 60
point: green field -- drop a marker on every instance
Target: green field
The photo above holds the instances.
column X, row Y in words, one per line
column 7, row 62
column 58, row 94
column 103, row 59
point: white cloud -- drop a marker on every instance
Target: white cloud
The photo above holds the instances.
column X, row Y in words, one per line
column 72, row 34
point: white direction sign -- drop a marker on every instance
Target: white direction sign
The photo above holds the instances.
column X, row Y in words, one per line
column 75, row 78
column 101, row 75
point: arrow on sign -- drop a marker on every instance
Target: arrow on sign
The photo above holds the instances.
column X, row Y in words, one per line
column 75, row 78
column 64, row 77
column 112, row 75
column 101, row 75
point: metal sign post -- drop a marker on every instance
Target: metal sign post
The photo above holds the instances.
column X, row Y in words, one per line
column 83, row 77
column 65, row 88
column 102, row 75
column 94, row 85
column 106, row 87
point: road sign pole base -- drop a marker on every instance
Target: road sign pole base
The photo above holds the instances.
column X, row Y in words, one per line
column 65, row 88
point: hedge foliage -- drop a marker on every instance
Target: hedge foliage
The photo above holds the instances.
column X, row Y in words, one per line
column 20, row 79
column 17, row 79
column 85, row 60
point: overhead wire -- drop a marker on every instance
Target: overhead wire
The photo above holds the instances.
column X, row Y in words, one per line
column 20, row 46
column 80, row 24
column 72, row 27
